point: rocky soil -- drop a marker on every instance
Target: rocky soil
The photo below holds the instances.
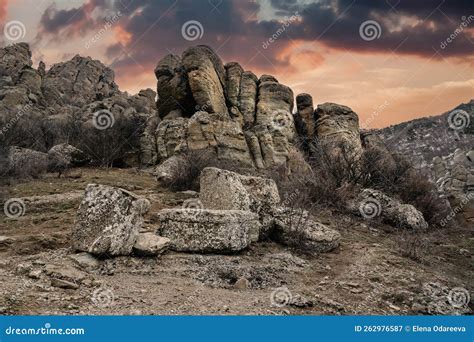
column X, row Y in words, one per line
column 371, row 272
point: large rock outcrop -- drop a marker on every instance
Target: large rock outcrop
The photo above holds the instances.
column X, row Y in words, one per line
column 253, row 116
column 42, row 108
column 304, row 117
column 78, row 82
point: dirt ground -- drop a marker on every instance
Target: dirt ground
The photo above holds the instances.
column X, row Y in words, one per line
column 372, row 272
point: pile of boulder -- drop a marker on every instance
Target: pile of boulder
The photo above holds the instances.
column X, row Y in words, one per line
column 232, row 212
column 237, row 210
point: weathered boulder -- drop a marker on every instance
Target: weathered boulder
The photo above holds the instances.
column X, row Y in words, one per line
column 206, row 77
column 227, row 190
column 275, row 105
column 372, row 203
column 14, row 59
column 222, row 190
column 67, row 155
column 149, row 244
column 338, row 124
column 26, row 161
column 296, row 228
column 205, row 230
column 263, row 192
column 108, row 221
column 165, row 171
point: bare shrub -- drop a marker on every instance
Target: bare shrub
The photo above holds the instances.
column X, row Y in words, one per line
column 108, row 147
column 22, row 128
column 337, row 173
column 394, row 175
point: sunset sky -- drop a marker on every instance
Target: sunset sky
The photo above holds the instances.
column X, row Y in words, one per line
column 414, row 58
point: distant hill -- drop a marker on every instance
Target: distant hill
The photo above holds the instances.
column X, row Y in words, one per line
column 422, row 139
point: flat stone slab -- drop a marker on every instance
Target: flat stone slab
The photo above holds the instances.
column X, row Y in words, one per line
column 206, row 230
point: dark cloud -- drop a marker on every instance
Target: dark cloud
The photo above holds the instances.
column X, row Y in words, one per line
column 233, row 28
column 411, row 27
column 53, row 21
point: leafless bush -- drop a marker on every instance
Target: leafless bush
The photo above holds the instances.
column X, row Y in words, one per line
column 23, row 129
column 108, row 147
column 336, row 173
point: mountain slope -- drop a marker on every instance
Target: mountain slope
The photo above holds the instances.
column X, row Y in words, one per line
column 422, row 139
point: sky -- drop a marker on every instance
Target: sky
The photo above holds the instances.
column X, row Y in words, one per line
column 390, row 61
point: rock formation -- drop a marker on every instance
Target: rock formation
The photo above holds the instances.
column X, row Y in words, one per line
column 42, row 108
column 200, row 104
column 236, row 210
column 206, row 105
column 336, row 124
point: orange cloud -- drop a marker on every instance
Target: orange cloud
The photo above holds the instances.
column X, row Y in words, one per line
column 3, row 10
column 121, row 35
